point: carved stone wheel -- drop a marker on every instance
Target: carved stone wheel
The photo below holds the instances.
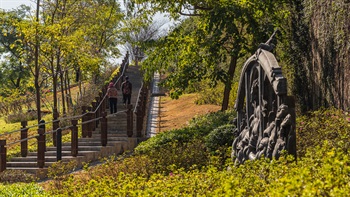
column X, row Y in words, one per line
column 265, row 114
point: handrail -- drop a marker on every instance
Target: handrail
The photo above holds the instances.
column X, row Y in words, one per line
column 138, row 98
column 26, row 139
column 29, row 127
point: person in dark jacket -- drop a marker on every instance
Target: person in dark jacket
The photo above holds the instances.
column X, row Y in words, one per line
column 126, row 88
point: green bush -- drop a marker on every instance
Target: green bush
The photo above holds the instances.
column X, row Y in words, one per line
column 187, row 156
column 220, row 137
column 324, row 172
column 327, row 124
column 21, row 189
column 176, row 168
column 198, row 128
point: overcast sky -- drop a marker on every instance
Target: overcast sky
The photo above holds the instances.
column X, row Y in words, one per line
column 11, row 4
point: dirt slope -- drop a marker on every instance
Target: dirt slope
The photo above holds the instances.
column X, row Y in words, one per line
column 177, row 113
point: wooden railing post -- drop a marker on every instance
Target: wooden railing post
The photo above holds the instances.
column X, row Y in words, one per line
column 145, row 95
column 103, row 103
column 106, row 104
column 55, row 125
column 24, row 135
column 98, row 111
column 129, row 121
column 139, row 121
column 2, row 155
column 90, row 124
column 94, row 106
column 84, row 118
column 104, row 129
column 59, row 145
column 41, row 144
column 74, row 136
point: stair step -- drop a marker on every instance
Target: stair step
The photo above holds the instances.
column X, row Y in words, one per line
column 48, row 158
column 26, row 164
column 80, row 148
column 93, row 143
column 113, row 139
column 64, row 153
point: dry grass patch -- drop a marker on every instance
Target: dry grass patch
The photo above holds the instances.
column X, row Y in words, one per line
column 176, row 114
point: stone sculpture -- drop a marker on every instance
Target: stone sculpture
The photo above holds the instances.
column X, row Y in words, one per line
column 265, row 113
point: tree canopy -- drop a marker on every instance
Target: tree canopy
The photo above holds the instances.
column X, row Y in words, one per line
column 209, row 44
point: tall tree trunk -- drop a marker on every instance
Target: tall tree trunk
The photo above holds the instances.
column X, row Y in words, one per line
column 67, row 90
column 37, row 70
column 54, row 87
column 62, row 93
column 61, row 72
column 228, row 84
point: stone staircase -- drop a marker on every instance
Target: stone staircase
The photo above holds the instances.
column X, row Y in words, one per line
column 89, row 149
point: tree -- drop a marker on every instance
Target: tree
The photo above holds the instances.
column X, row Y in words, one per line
column 13, row 72
column 65, row 36
column 140, row 32
column 318, row 48
column 139, row 38
column 225, row 32
column 78, row 35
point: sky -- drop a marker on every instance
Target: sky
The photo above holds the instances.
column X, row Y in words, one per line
column 12, row 4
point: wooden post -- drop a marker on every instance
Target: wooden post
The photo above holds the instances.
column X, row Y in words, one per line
column 74, row 136
column 2, row 155
column 104, row 129
column 94, row 106
column 59, row 145
column 90, row 124
column 84, row 118
column 129, row 121
column 144, row 101
column 98, row 114
column 24, row 135
column 103, row 103
column 55, row 125
column 139, row 121
column 41, row 145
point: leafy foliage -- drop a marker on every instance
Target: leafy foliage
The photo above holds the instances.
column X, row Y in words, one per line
column 329, row 125
column 198, row 128
column 209, row 46
column 220, row 137
column 20, row 189
column 323, row 172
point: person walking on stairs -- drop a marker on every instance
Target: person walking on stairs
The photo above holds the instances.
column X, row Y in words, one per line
column 112, row 94
column 126, row 88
